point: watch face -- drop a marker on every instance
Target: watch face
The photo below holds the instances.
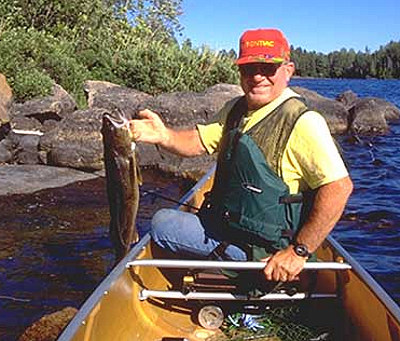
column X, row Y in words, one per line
column 301, row 250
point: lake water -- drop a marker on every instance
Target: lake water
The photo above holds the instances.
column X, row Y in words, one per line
column 55, row 247
column 370, row 229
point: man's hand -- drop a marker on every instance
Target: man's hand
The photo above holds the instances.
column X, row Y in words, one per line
column 284, row 265
column 150, row 128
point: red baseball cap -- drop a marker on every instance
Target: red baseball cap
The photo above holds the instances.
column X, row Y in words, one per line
column 263, row 46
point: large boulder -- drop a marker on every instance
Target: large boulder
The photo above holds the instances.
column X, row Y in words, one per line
column 92, row 88
column 76, row 142
column 390, row 111
column 18, row 179
column 333, row 111
column 31, row 119
column 55, row 107
column 368, row 116
column 178, row 110
column 22, row 144
column 185, row 110
column 348, row 99
column 111, row 96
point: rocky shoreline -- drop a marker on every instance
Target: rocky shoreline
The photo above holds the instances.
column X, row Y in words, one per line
column 51, row 131
column 24, row 179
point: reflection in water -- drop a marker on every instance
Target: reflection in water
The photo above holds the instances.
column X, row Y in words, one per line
column 55, row 247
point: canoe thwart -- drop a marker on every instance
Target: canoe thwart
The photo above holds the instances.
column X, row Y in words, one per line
column 227, row 265
column 225, row 296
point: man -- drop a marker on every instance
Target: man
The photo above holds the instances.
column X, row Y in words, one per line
column 271, row 149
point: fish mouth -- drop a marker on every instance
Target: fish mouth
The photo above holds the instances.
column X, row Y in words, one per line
column 117, row 122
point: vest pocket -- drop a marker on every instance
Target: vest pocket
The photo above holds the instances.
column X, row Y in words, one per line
column 267, row 231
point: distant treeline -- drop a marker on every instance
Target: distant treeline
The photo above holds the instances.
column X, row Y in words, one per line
column 134, row 44
column 384, row 63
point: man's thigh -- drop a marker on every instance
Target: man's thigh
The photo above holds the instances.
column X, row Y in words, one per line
column 183, row 233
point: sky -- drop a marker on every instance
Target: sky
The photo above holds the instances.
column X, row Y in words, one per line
column 321, row 26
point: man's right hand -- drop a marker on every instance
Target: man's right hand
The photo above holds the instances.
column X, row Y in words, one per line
column 149, row 128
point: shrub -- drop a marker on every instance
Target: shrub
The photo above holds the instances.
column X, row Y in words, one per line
column 156, row 67
column 54, row 40
column 29, row 83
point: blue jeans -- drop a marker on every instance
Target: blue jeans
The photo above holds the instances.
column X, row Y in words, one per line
column 182, row 233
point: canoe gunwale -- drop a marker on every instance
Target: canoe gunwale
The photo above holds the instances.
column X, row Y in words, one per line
column 103, row 287
column 375, row 287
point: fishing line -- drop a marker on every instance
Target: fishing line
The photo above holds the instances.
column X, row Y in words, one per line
column 155, row 195
column 15, row 299
column 370, row 146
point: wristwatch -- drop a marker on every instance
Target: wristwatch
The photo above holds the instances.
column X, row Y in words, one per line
column 301, row 250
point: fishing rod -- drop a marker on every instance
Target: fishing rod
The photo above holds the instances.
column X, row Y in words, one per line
column 156, row 194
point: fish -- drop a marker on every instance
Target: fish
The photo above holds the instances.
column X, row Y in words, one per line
column 122, row 181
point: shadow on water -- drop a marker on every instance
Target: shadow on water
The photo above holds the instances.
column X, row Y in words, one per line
column 55, row 247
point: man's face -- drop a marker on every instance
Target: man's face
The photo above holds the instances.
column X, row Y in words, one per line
column 263, row 82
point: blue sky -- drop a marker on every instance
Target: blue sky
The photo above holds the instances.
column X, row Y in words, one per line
column 322, row 26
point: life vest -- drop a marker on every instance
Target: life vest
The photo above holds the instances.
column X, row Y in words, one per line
column 249, row 203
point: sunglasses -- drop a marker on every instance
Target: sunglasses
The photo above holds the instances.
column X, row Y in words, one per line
column 266, row 69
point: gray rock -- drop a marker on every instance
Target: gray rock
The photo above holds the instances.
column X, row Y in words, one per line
column 76, row 142
column 185, row 109
column 232, row 90
column 348, row 99
column 6, row 151
column 333, row 111
column 92, row 88
column 368, row 116
column 389, row 110
column 27, row 149
column 26, row 123
column 15, row 179
column 55, row 107
column 111, row 96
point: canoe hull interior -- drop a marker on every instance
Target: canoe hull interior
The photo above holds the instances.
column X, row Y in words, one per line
column 361, row 311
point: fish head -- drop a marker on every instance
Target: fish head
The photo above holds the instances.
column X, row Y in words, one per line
column 115, row 130
column 116, row 119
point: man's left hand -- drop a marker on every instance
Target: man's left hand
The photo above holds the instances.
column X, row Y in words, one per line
column 284, row 265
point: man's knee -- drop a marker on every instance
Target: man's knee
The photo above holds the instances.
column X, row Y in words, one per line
column 160, row 221
column 161, row 217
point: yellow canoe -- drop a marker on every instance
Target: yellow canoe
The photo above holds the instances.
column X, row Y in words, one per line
column 138, row 300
